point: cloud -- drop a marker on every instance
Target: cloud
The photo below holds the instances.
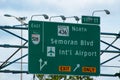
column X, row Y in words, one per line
column 55, row 6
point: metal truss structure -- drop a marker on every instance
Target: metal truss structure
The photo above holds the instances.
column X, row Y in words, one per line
column 110, row 48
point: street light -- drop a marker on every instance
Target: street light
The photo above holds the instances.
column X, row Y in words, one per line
column 44, row 15
column 61, row 16
column 106, row 11
column 20, row 19
column 75, row 17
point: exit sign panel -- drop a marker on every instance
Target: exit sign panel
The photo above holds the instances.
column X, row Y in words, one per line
column 91, row 20
column 64, row 48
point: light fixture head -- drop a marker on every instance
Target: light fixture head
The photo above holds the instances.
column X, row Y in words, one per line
column 7, row 15
column 76, row 18
column 63, row 17
column 107, row 11
column 45, row 16
column 22, row 18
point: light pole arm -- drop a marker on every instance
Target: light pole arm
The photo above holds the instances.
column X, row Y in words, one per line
column 106, row 11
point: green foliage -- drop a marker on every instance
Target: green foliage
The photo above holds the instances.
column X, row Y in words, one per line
column 40, row 76
column 65, row 77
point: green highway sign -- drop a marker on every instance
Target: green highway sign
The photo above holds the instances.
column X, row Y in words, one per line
column 64, row 48
column 91, row 19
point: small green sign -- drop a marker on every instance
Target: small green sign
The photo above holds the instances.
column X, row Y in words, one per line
column 64, row 48
column 91, row 19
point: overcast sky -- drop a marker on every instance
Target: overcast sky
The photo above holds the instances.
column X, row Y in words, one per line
column 109, row 23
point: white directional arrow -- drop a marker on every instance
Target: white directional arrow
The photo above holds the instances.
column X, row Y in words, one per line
column 78, row 65
column 42, row 65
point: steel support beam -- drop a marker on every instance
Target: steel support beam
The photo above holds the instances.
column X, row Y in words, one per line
column 26, row 28
column 14, row 34
column 110, row 45
column 13, row 61
column 17, row 72
column 13, row 27
column 108, row 75
column 109, row 51
column 13, row 71
column 12, row 55
column 12, row 46
column 110, row 59
column 110, row 66
column 112, row 34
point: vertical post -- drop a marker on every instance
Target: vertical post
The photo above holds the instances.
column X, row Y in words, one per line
column 33, row 76
column 21, row 53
